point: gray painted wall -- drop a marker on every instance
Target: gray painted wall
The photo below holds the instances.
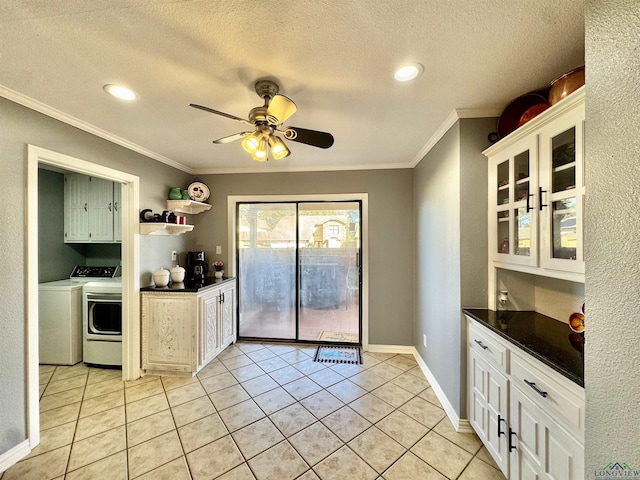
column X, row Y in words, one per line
column 612, row 361
column 21, row 126
column 450, row 203
column 390, row 233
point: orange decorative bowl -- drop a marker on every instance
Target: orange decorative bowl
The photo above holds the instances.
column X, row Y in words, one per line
column 576, row 322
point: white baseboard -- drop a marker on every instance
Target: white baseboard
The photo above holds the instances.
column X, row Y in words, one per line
column 461, row 425
column 12, row 456
column 401, row 349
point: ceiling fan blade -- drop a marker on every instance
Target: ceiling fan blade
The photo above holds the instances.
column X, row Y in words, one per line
column 280, row 109
column 211, row 110
column 310, row 137
column 231, row 138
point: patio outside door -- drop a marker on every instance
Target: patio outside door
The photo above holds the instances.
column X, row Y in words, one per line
column 299, row 271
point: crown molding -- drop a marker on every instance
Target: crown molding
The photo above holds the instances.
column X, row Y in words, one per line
column 40, row 107
column 450, row 121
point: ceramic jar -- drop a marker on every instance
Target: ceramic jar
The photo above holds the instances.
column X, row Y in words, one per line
column 161, row 277
column 185, row 195
column 177, row 274
column 175, row 193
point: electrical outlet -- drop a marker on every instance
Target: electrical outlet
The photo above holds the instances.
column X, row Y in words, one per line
column 174, row 256
column 218, row 250
column 424, row 339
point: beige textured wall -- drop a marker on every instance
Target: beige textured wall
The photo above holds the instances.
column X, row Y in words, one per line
column 612, row 354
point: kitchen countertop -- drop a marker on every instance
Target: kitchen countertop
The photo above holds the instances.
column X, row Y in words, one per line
column 545, row 338
column 186, row 287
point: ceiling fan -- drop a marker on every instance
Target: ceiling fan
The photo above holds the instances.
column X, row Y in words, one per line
column 268, row 120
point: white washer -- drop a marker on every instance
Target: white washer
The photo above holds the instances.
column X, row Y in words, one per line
column 60, row 305
column 60, row 322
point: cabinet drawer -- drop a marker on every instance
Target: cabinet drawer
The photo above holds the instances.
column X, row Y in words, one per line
column 550, row 391
column 488, row 345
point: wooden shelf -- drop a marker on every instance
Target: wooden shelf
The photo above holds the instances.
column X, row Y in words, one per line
column 187, row 206
column 155, row 228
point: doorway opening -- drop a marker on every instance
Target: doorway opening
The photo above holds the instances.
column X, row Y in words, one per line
column 130, row 186
column 300, row 271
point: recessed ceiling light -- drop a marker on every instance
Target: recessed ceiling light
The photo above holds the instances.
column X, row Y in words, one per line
column 118, row 91
column 408, row 72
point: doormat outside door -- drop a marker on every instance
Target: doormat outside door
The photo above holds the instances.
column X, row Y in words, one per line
column 336, row 354
column 328, row 336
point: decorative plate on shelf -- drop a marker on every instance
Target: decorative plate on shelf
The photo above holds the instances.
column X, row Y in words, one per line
column 198, row 191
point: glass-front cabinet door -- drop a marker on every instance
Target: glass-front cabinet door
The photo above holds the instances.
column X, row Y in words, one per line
column 562, row 193
column 513, row 185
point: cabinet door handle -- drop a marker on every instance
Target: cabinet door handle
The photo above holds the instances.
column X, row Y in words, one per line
column 529, row 207
column 541, row 191
column 484, row 347
column 85, row 206
column 109, row 206
column 115, row 206
column 512, row 445
column 535, row 387
column 500, row 420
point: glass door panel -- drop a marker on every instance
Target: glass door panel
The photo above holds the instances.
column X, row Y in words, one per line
column 521, row 174
column 522, row 232
column 563, row 175
column 503, row 232
column 503, row 183
column 299, row 272
column 267, row 270
column 329, row 264
column 564, row 229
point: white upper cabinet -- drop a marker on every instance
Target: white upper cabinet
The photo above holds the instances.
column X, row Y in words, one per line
column 536, row 194
column 76, row 208
column 90, row 210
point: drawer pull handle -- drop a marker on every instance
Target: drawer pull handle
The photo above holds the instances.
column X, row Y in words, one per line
column 512, row 445
column 484, row 347
column 500, row 420
column 538, row 391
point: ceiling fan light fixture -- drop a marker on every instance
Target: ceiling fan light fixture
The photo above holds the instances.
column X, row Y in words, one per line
column 278, row 148
column 250, row 142
column 120, row 92
column 260, row 155
column 408, row 72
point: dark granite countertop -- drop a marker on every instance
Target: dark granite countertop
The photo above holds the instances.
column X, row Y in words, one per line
column 547, row 339
column 186, row 287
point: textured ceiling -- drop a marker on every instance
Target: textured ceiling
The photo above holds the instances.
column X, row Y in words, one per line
column 334, row 58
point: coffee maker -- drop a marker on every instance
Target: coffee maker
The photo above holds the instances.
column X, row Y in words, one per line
column 196, row 267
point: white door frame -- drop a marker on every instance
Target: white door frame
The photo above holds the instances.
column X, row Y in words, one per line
column 233, row 200
column 130, row 270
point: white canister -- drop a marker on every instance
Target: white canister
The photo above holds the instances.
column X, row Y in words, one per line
column 177, row 274
column 161, row 277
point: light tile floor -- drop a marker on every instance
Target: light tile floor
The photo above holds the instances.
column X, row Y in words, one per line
column 258, row 411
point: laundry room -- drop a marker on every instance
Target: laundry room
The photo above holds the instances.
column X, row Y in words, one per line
column 79, row 258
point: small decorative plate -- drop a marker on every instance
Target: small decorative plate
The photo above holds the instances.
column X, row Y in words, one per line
column 198, row 191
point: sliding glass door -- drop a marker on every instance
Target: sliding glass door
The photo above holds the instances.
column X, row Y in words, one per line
column 299, row 272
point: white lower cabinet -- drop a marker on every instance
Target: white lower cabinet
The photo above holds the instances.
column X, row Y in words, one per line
column 542, row 449
column 488, row 406
column 530, row 418
column 183, row 331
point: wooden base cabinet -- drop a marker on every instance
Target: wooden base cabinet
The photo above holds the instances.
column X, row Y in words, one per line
column 530, row 418
column 183, row 331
